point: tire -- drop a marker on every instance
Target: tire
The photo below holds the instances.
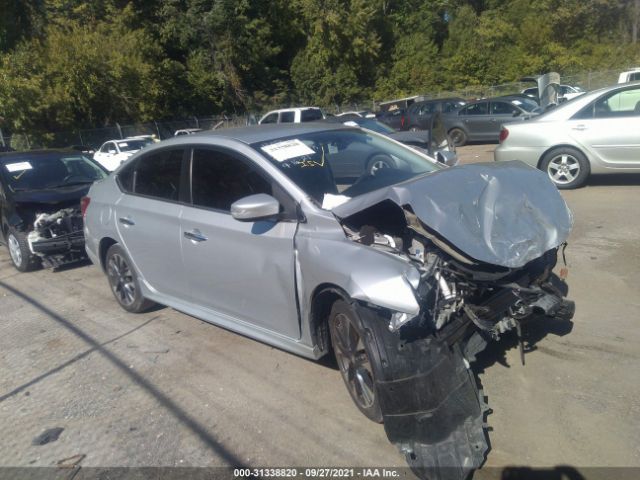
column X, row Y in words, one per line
column 378, row 162
column 19, row 251
column 566, row 167
column 458, row 137
column 123, row 281
column 354, row 359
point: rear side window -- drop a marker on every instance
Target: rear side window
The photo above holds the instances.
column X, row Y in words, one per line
column 218, row 180
column 310, row 115
column 634, row 76
column 158, row 174
column 476, row 109
column 502, row 108
column 427, row 108
column 287, row 117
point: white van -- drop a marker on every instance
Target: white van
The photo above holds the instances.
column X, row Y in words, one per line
column 293, row 115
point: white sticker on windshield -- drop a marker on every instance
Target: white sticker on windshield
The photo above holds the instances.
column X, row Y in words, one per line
column 287, row 150
column 18, row 167
column 123, row 144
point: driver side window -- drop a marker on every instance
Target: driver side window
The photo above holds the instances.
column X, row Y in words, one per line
column 218, row 180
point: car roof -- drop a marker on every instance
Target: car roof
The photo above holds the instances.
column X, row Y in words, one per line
column 37, row 153
column 259, row 133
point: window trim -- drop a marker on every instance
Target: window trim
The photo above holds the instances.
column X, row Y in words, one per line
column 290, row 207
column 134, row 166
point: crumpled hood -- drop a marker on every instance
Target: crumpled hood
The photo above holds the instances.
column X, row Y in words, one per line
column 502, row 213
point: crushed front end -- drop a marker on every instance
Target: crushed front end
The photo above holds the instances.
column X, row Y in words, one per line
column 432, row 408
column 58, row 238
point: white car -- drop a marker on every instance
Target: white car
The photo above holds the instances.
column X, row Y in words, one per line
column 630, row 76
column 186, row 131
column 293, row 115
column 598, row 132
column 567, row 92
column 113, row 152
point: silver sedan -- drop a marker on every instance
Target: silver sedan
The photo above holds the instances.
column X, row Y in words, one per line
column 598, row 132
column 403, row 272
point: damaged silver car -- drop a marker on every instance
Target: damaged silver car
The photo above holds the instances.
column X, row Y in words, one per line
column 40, row 211
column 403, row 271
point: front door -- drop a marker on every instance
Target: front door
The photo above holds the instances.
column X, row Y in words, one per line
column 610, row 128
column 243, row 269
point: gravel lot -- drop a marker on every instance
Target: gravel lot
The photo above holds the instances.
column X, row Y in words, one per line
column 166, row 389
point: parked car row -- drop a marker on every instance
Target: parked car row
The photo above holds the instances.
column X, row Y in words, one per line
column 404, row 272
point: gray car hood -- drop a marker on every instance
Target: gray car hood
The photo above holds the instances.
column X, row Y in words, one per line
column 502, row 213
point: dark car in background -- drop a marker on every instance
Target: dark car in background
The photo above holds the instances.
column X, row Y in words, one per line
column 40, row 212
column 434, row 142
column 394, row 118
column 419, row 114
column 482, row 120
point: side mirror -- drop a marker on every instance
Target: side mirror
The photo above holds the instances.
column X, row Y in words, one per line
column 255, row 207
column 516, row 113
column 450, row 159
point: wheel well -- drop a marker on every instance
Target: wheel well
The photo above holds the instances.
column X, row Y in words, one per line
column 562, row 145
column 322, row 301
column 105, row 244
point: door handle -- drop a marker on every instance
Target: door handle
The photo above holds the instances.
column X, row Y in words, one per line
column 579, row 127
column 126, row 221
column 196, row 236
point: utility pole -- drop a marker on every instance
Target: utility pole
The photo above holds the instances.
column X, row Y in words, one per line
column 635, row 19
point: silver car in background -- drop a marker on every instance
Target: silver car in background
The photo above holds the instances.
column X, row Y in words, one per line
column 404, row 272
column 597, row 132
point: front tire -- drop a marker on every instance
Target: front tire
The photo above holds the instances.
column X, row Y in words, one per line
column 458, row 137
column 123, row 281
column 19, row 251
column 354, row 359
column 566, row 167
column 379, row 162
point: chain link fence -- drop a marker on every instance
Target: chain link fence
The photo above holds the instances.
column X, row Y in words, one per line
column 94, row 138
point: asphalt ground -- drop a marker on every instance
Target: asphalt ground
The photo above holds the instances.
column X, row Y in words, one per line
column 166, row 389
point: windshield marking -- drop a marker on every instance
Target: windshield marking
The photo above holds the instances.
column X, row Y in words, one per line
column 18, row 167
column 283, row 151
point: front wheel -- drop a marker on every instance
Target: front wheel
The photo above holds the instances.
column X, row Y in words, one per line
column 458, row 137
column 566, row 167
column 124, row 281
column 353, row 359
column 19, row 251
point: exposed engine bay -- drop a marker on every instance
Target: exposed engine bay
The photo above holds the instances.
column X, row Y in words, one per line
column 432, row 408
column 58, row 238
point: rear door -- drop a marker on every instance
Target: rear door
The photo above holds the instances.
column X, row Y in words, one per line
column 245, row 270
column 610, row 128
column 501, row 112
column 477, row 121
column 148, row 219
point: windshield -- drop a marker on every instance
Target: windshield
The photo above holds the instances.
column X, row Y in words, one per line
column 39, row 172
column 333, row 166
column 129, row 145
column 525, row 104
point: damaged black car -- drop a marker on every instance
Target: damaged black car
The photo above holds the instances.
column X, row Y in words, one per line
column 40, row 206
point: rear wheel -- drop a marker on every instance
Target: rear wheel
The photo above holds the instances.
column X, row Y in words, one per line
column 19, row 251
column 458, row 137
column 354, row 359
column 124, row 281
column 378, row 162
column 566, row 167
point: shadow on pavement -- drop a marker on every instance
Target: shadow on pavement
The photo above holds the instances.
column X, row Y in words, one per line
column 192, row 424
column 614, row 179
